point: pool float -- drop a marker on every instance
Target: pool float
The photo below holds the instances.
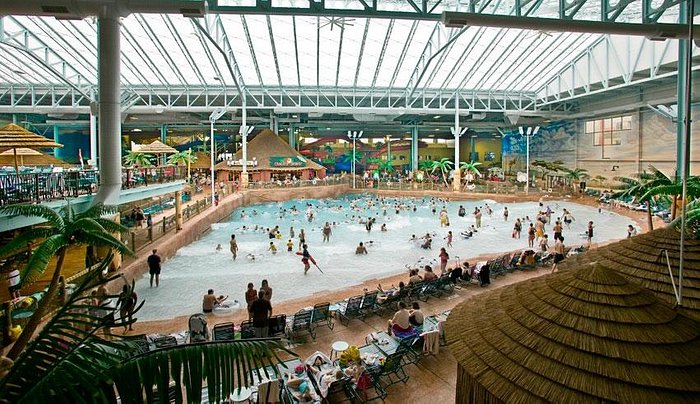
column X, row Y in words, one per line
column 15, row 332
column 226, row 308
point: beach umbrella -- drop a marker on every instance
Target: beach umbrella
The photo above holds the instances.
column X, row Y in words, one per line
column 584, row 335
column 156, row 148
column 13, row 137
column 21, row 152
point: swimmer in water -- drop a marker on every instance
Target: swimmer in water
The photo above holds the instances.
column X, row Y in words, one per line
column 218, row 247
column 272, row 248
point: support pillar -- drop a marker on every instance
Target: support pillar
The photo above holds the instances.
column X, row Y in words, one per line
column 244, row 145
column 457, row 178
column 292, row 137
column 93, row 140
column 163, row 139
column 414, row 148
column 108, row 66
column 178, row 210
column 681, row 92
column 57, row 152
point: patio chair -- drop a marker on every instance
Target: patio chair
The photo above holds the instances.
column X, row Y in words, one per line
column 302, row 323
column 322, row 314
column 369, row 303
column 390, row 303
column 247, row 330
column 269, row 392
column 139, row 344
column 340, row 391
column 277, row 325
column 165, row 341
column 411, row 348
column 390, row 373
column 415, row 292
column 351, row 310
column 199, row 332
column 442, row 286
column 223, row 332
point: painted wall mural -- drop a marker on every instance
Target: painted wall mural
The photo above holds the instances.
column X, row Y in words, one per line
column 555, row 141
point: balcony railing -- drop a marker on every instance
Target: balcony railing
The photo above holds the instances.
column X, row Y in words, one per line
column 44, row 186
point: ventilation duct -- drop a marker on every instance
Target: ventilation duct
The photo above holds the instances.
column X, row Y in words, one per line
column 373, row 117
column 78, row 9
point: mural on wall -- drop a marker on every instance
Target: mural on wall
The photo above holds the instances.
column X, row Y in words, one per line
column 556, row 139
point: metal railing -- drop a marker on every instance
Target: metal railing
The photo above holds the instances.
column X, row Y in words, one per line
column 330, row 180
column 36, row 187
column 485, row 187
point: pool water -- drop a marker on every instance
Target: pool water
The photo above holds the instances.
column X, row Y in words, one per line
column 197, row 267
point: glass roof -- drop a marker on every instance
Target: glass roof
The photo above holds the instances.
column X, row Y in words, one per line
column 292, row 51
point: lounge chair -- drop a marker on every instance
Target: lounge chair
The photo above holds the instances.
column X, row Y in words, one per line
column 277, row 325
column 302, row 323
column 165, row 341
column 247, row 330
column 441, row 286
column 415, row 292
column 351, row 310
column 340, row 391
column 390, row 373
column 322, row 314
column 369, row 303
column 199, row 332
column 390, row 303
column 269, row 392
column 223, row 332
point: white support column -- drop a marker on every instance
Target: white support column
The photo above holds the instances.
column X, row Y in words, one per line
column 93, row 140
column 244, row 144
column 108, row 66
column 457, row 179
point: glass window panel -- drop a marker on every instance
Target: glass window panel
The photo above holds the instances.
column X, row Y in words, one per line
column 283, row 33
column 373, row 47
column 589, row 127
column 352, row 43
column 627, row 122
column 257, row 27
column 399, row 36
column 607, row 125
column 615, row 138
column 598, row 125
column 306, row 39
column 241, row 50
column 328, row 52
column 597, row 138
column 617, row 123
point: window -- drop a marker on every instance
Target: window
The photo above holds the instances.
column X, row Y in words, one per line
column 608, row 131
column 402, row 157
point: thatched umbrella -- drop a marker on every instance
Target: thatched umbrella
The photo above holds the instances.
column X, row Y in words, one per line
column 21, row 152
column 586, row 335
column 14, row 137
column 157, row 147
column 642, row 259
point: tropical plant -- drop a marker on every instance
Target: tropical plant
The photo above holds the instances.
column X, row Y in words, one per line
column 358, row 155
column 184, row 157
column 600, row 179
column 575, row 175
column 61, row 231
column 638, row 188
column 692, row 219
column 328, row 149
column 444, row 165
column 664, row 186
column 386, row 166
column 136, row 158
column 470, row 168
column 547, row 167
column 67, row 361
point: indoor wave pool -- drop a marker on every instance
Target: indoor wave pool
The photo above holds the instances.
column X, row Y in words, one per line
column 197, row 267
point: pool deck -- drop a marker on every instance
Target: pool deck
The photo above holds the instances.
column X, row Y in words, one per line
column 433, row 379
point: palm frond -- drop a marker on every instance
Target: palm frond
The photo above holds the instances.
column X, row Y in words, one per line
column 19, row 243
column 101, row 239
column 97, row 211
column 189, row 365
column 66, row 361
column 28, row 210
column 41, row 256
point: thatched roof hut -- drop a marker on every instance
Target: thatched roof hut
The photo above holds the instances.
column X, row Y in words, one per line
column 157, row 147
column 586, row 335
column 39, row 159
column 642, row 259
column 271, row 154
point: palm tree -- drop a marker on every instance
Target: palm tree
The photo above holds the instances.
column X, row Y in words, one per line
column 548, row 166
column 358, row 155
column 386, row 166
column 184, row 157
column 665, row 186
column 639, row 188
column 69, row 363
column 444, row 165
column 575, row 175
column 469, row 168
column 136, row 158
column 328, row 149
column 63, row 230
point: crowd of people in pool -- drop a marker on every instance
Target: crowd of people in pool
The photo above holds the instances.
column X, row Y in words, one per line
column 367, row 211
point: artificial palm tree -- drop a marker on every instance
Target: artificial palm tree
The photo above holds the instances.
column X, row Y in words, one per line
column 137, row 159
column 386, row 166
column 575, row 175
column 547, row 167
column 470, row 167
column 673, row 188
column 183, row 157
column 61, row 231
column 69, row 362
column 328, row 149
column 444, row 165
column 638, row 188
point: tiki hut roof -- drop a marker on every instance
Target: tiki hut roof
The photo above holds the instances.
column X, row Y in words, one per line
column 15, row 136
column 586, row 335
column 157, row 147
column 642, row 259
column 265, row 145
column 34, row 159
column 202, row 162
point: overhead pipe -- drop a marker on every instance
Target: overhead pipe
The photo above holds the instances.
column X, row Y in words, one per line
column 79, row 9
column 455, row 19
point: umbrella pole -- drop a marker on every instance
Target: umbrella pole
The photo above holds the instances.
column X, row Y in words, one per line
column 14, row 150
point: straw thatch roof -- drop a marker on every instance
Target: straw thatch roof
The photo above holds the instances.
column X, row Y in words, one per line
column 8, row 159
column 202, row 162
column 21, row 151
column 15, row 136
column 157, row 147
column 586, row 335
column 265, row 145
column 642, row 259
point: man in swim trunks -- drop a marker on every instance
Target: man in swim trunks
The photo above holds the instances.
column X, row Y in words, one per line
column 305, row 257
column 154, row 267
column 361, row 249
column 233, row 246
column 327, row 232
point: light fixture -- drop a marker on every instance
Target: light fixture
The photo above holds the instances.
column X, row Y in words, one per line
column 436, row 117
column 134, row 117
column 328, row 128
column 473, row 136
column 136, row 130
column 615, row 168
column 295, row 116
column 437, row 129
